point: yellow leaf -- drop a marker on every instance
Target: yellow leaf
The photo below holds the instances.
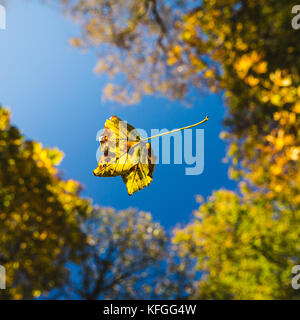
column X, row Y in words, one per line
column 279, row 79
column 297, row 107
column 252, row 81
column 261, row 67
column 36, row 293
column 125, row 155
column 275, row 99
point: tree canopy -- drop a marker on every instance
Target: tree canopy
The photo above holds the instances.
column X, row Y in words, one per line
column 244, row 241
column 129, row 256
column 39, row 215
column 249, row 51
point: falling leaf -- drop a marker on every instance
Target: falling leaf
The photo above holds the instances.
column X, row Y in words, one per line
column 125, row 155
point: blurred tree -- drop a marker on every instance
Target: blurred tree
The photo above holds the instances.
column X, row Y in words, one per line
column 39, row 214
column 245, row 247
column 248, row 50
column 258, row 66
column 246, row 242
column 127, row 256
column 135, row 37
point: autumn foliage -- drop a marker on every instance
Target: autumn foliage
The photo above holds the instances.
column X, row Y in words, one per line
column 243, row 242
column 247, row 241
column 39, row 215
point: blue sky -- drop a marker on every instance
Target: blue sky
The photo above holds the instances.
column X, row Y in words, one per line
column 55, row 98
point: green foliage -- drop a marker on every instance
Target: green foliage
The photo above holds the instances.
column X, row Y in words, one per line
column 245, row 247
column 39, row 215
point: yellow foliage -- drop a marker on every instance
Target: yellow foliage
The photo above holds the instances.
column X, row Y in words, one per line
column 33, row 209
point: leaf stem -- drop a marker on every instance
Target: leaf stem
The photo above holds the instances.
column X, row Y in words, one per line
column 176, row 130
